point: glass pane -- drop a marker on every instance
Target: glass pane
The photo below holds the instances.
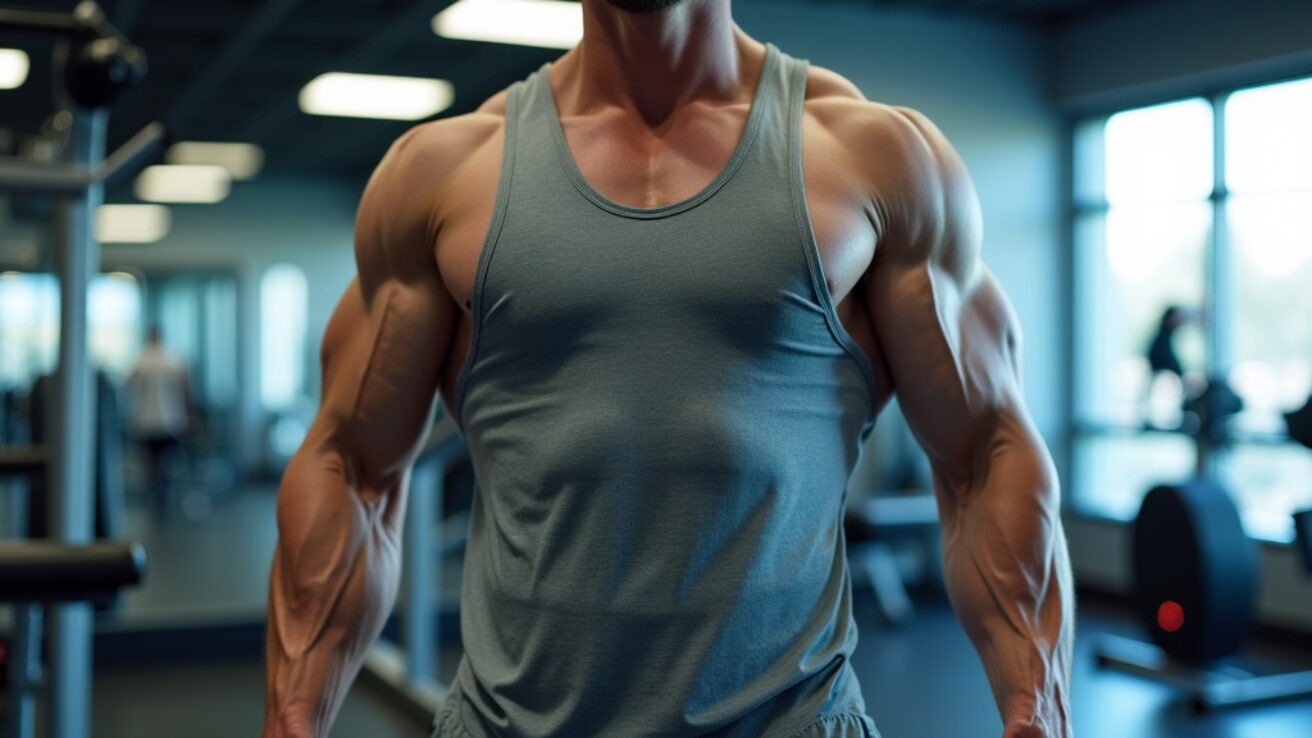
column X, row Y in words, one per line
column 1268, row 138
column 1160, row 154
column 1269, row 482
column 1134, row 264
column 1090, row 188
column 1272, row 369
column 115, row 335
column 1113, row 473
column 29, row 328
column 220, row 329
column 29, row 325
column 283, row 303
column 178, row 316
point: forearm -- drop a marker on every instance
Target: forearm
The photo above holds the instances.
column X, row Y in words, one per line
column 1008, row 577
column 333, row 584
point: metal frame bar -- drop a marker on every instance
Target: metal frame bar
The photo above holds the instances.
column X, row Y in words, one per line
column 419, row 574
column 21, row 461
column 72, row 437
column 74, row 178
column 46, row 571
column 1207, row 689
column 24, row 669
column 38, row 21
column 86, row 17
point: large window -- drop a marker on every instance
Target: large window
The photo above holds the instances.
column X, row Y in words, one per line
column 1193, row 230
column 283, row 301
column 29, row 326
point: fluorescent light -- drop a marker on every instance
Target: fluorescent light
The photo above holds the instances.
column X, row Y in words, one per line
column 132, row 223
column 242, row 160
column 550, row 23
column 13, row 68
column 201, row 183
column 376, row 96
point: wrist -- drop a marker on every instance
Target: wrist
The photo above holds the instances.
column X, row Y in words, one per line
column 286, row 726
column 1037, row 716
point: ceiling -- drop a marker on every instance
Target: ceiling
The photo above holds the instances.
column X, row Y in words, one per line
column 229, row 70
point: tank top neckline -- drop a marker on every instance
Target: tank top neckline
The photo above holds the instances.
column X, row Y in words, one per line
column 765, row 89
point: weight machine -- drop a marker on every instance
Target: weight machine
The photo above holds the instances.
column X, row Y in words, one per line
column 94, row 63
column 1196, row 577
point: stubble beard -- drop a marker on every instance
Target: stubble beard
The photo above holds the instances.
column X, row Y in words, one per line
column 644, row 6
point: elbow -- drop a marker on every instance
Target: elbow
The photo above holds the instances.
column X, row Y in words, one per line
column 336, row 454
column 368, row 469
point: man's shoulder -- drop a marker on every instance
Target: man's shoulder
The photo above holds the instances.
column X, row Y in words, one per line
column 865, row 126
column 915, row 179
column 423, row 164
column 441, row 146
column 899, row 149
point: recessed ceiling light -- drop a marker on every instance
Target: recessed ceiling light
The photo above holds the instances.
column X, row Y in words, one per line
column 376, row 96
column 241, row 160
column 132, row 223
column 196, row 183
column 13, row 68
column 550, row 23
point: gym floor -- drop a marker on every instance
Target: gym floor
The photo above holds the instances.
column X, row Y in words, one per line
column 922, row 679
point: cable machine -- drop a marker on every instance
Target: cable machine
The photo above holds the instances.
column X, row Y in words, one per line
column 93, row 64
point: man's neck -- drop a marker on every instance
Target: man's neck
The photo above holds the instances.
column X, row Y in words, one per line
column 652, row 63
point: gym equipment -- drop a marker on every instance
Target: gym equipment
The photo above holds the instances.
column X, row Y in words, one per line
column 98, row 62
column 44, row 571
column 37, row 573
column 1196, row 581
column 99, row 69
column 1300, row 423
column 1206, row 417
column 872, row 527
column 1195, row 572
column 1303, row 536
column 108, row 478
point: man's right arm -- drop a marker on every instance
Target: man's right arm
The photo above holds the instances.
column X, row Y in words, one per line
column 342, row 499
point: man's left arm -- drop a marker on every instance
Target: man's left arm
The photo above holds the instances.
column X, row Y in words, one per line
column 951, row 343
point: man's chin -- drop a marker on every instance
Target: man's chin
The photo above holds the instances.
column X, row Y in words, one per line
column 644, row 6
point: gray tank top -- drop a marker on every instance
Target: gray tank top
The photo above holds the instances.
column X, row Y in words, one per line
column 663, row 411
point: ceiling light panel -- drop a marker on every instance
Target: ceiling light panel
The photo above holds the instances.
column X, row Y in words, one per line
column 132, row 223
column 376, row 96
column 549, row 23
column 241, row 160
column 191, row 183
column 13, row 68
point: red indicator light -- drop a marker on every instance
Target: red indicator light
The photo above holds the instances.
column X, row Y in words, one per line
column 1170, row 616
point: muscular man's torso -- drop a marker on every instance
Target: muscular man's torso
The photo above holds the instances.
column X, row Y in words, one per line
column 634, row 165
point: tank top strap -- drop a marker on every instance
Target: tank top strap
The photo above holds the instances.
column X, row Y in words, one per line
column 780, row 94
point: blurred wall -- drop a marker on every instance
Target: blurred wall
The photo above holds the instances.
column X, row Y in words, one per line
column 1178, row 48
